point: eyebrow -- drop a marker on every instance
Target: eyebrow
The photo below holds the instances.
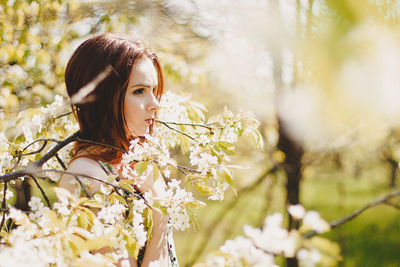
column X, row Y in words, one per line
column 143, row 85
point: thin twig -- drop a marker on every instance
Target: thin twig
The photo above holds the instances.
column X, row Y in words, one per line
column 182, row 167
column 20, row 154
column 83, row 187
column 338, row 222
column 33, row 152
column 40, row 140
column 396, row 206
column 61, row 162
column 136, row 194
column 187, row 124
column 41, row 190
column 62, row 115
column 23, row 211
column 3, row 206
column 176, row 130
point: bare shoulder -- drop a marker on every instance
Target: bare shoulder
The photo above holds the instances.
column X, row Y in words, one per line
column 86, row 167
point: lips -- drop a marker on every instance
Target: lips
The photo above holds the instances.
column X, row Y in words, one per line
column 149, row 121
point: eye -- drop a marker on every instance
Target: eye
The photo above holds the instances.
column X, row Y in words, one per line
column 154, row 90
column 138, row 91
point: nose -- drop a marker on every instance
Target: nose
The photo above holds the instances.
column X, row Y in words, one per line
column 153, row 104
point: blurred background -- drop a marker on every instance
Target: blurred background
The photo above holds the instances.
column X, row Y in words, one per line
column 322, row 77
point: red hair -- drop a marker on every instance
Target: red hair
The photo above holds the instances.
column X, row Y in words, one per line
column 102, row 119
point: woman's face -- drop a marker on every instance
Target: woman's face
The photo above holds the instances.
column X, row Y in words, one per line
column 140, row 102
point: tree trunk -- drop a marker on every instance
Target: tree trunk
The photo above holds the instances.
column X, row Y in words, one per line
column 23, row 190
column 292, row 166
column 393, row 172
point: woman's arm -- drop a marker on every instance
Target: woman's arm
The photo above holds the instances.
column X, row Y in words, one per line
column 91, row 168
column 156, row 248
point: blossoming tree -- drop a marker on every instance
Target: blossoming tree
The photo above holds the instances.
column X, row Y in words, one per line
column 188, row 150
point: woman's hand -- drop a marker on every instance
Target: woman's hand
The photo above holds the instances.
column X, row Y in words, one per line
column 157, row 187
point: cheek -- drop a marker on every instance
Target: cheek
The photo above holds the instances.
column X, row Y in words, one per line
column 132, row 109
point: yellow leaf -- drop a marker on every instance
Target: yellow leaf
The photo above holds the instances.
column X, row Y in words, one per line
column 224, row 173
column 156, row 172
column 76, row 243
column 140, row 167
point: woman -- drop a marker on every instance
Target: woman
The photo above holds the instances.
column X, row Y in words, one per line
column 122, row 106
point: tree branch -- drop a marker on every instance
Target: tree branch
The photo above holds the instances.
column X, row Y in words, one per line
column 37, row 164
column 20, row 154
column 62, row 115
column 187, row 124
column 55, row 149
column 41, row 190
column 83, row 187
column 396, row 206
column 338, row 222
column 39, row 140
column 61, row 162
column 176, row 130
column 136, row 194
column 3, row 206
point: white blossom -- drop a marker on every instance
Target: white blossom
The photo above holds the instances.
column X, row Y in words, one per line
column 112, row 214
column 297, row 211
column 315, row 222
column 308, row 258
column 242, row 250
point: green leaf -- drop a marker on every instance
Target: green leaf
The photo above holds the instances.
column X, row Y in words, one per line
column 225, row 174
column 92, row 204
column 148, row 222
column 257, row 138
column 156, row 172
column 195, row 111
column 140, row 167
column 81, row 200
column 238, row 128
column 76, row 242
column 83, row 220
column 202, row 188
column 228, row 148
column 215, row 149
column 98, row 243
column 90, row 215
column 183, row 141
column 193, row 220
column 131, row 245
column 115, row 197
